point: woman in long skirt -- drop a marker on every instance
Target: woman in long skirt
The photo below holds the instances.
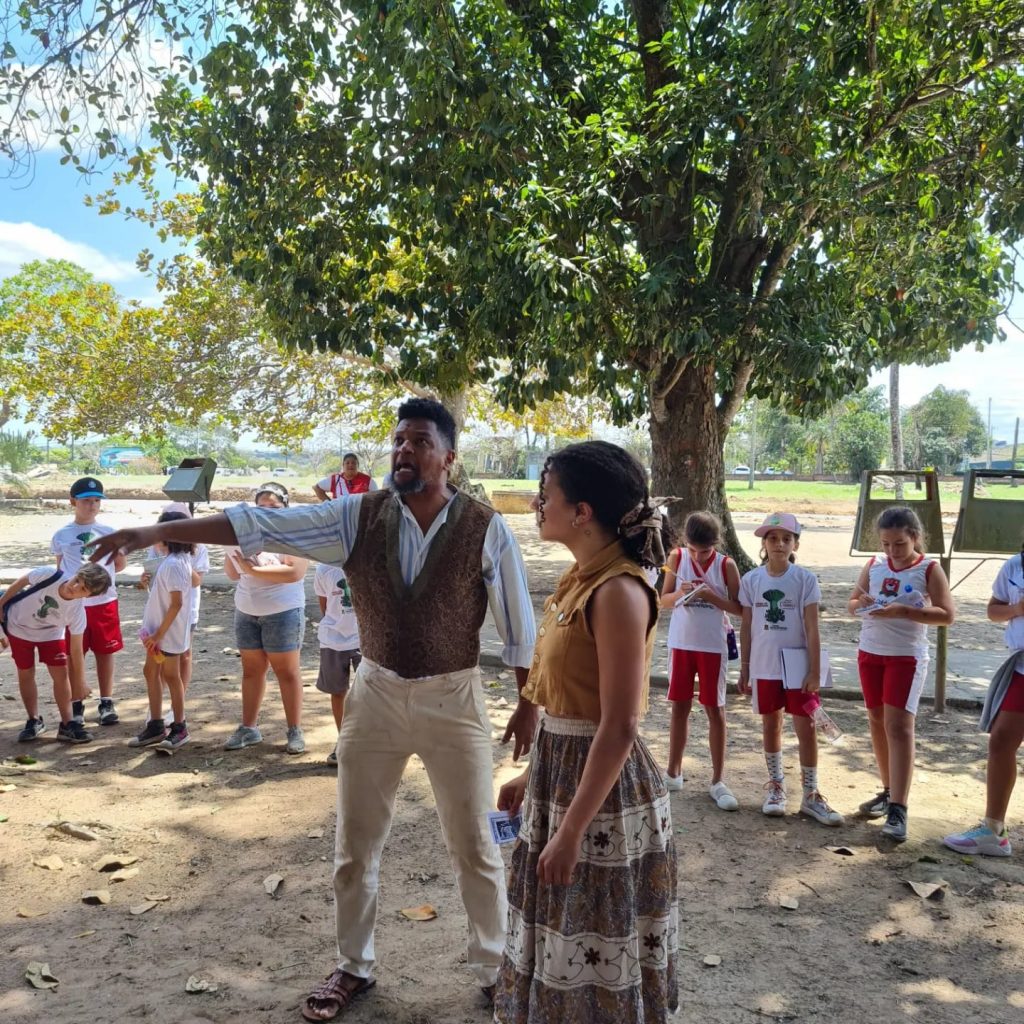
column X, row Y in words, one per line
column 593, row 926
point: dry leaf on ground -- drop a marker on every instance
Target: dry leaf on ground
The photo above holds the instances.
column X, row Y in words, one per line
column 423, row 913
column 39, row 975
column 70, row 828
column 100, row 896
column 712, row 960
column 51, row 863
column 196, row 984
column 789, row 903
column 141, row 908
column 124, row 874
column 113, row 862
column 272, row 885
column 930, row 890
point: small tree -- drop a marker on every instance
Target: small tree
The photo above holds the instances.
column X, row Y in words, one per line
column 943, row 429
column 861, row 435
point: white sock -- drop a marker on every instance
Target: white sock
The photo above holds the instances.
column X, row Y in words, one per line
column 996, row 826
column 809, row 778
column 774, row 762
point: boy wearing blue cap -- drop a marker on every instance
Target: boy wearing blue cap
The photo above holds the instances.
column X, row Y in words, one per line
column 103, row 623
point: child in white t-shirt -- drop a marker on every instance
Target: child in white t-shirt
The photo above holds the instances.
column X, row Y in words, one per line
column 701, row 585
column 990, row 838
column 899, row 594
column 200, row 567
column 338, row 633
column 36, row 611
column 71, row 545
column 780, row 611
column 166, row 634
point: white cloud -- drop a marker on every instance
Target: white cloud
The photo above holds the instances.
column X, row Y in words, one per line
column 23, row 242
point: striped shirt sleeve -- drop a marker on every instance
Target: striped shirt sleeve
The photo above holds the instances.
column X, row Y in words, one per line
column 324, row 533
column 508, row 594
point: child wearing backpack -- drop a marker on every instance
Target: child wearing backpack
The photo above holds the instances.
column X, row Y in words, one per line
column 35, row 612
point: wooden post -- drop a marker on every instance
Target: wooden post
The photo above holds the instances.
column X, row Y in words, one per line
column 753, row 447
column 941, row 648
column 1013, row 456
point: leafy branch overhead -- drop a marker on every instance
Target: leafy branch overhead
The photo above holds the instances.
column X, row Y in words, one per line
column 666, row 203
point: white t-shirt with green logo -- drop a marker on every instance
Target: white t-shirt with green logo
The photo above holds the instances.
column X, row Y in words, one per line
column 777, row 606
column 43, row 616
column 69, row 541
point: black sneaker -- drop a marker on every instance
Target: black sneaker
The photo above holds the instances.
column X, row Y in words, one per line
column 73, row 732
column 33, row 727
column 877, row 806
column 153, row 733
column 176, row 737
column 78, row 711
column 895, row 826
column 108, row 716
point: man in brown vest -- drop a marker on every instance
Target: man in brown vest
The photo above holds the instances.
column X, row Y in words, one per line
column 424, row 562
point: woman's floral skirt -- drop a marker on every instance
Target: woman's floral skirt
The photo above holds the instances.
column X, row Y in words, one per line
column 601, row 950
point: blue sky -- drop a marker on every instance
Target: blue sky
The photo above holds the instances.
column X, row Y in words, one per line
column 45, row 217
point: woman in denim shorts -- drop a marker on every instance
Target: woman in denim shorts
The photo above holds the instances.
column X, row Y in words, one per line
column 270, row 618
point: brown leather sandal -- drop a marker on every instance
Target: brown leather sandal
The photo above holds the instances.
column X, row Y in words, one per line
column 334, row 992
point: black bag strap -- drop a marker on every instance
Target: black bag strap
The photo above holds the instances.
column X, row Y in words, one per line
column 28, row 592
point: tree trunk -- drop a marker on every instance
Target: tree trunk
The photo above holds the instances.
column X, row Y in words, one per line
column 687, row 454
column 455, row 402
column 896, row 427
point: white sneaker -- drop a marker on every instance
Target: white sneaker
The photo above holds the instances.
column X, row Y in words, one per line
column 775, row 802
column 673, row 783
column 296, row 741
column 816, row 806
column 723, row 797
column 980, row 840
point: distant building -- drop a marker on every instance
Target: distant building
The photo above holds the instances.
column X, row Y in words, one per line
column 1002, row 455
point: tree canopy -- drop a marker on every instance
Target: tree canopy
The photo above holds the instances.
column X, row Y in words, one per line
column 667, row 203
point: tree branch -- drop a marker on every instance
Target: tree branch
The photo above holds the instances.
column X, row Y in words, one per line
column 731, row 401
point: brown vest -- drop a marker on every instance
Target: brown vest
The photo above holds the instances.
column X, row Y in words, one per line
column 433, row 626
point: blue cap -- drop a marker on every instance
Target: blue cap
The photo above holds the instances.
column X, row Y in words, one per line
column 87, row 487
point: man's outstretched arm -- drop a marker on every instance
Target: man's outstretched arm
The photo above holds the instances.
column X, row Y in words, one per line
column 208, row 530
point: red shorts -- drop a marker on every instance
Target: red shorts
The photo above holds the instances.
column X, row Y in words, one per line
column 102, row 629
column 687, row 667
column 769, row 695
column 893, row 679
column 1014, row 699
column 51, row 652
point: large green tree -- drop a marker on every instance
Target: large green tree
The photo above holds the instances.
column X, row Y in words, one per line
column 671, row 203
column 943, row 429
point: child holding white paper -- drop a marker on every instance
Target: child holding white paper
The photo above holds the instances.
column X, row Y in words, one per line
column 701, row 585
column 899, row 593
column 780, row 610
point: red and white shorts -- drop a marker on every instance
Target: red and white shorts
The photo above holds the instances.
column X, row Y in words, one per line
column 51, row 652
column 686, row 668
column 769, row 695
column 1014, row 699
column 102, row 629
column 893, row 679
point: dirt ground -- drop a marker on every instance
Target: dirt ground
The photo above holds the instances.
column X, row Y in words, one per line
column 209, row 826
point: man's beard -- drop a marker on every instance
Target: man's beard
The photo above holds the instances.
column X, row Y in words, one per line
column 414, row 486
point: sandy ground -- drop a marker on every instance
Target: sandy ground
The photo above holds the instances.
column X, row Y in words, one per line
column 208, row 826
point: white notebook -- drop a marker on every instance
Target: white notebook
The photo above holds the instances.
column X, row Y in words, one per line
column 795, row 665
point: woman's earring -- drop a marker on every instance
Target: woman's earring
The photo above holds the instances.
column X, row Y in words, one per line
column 575, row 524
